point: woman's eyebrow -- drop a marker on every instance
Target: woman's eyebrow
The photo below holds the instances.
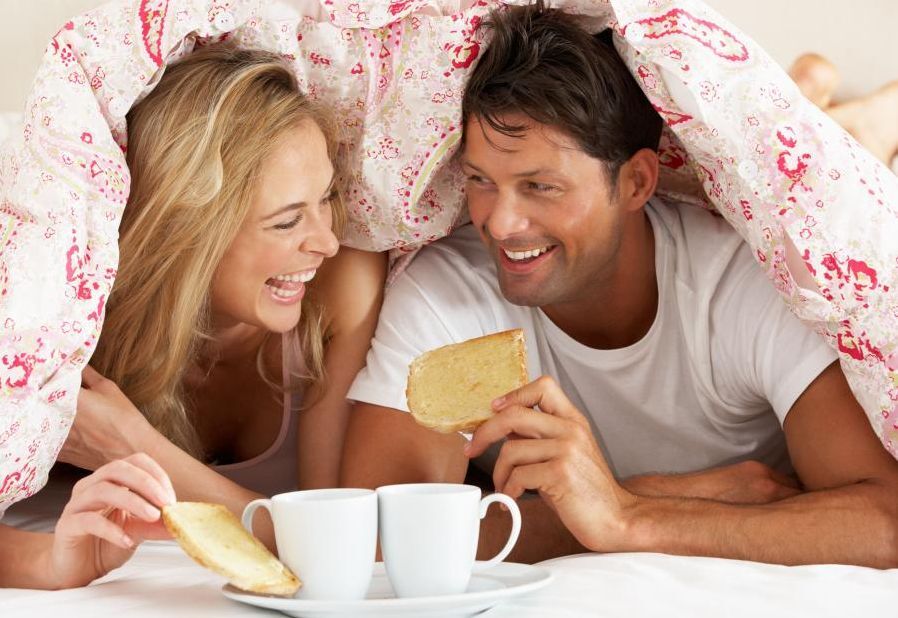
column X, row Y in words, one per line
column 287, row 208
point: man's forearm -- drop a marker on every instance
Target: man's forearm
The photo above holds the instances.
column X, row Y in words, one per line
column 849, row 525
column 857, row 524
column 543, row 536
column 746, row 482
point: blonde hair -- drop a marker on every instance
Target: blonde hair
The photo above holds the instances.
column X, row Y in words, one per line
column 196, row 147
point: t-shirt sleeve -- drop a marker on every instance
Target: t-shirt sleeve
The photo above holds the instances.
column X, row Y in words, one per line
column 437, row 301
column 763, row 356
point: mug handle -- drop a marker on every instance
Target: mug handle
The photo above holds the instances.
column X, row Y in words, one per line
column 250, row 510
column 515, row 528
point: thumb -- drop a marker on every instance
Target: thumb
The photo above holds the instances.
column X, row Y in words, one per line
column 90, row 377
column 140, row 530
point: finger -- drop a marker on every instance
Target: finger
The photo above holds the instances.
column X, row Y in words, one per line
column 537, row 476
column 520, row 453
column 783, row 492
column 524, row 422
column 90, row 377
column 105, row 495
column 124, row 472
column 140, row 530
column 785, row 479
column 74, row 526
column 544, row 393
column 151, row 467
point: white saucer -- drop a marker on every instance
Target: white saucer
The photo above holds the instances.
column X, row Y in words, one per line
column 505, row 580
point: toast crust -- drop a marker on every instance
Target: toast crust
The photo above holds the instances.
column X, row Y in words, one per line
column 509, row 342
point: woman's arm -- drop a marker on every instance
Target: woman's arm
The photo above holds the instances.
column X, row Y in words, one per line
column 108, row 426
column 350, row 286
column 98, row 530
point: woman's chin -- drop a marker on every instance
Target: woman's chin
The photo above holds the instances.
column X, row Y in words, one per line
column 278, row 319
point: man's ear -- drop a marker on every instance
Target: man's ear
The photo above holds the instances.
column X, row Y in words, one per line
column 638, row 179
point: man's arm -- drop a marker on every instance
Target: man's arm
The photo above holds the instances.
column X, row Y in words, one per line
column 386, row 446
column 848, row 515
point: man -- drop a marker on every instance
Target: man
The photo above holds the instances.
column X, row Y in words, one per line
column 679, row 392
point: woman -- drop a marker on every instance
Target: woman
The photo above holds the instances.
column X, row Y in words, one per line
column 228, row 339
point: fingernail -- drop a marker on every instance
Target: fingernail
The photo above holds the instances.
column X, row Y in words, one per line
column 503, row 507
column 467, row 448
column 129, row 543
column 498, row 401
column 151, row 512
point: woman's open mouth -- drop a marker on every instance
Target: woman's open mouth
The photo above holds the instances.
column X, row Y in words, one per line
column 290, row 288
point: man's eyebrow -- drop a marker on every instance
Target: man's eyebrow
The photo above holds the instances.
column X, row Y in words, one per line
column 538, row 171
column 466, row 163
column 535, row 172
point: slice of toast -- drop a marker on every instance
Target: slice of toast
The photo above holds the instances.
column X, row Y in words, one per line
column 211, row 535
column 451, row 388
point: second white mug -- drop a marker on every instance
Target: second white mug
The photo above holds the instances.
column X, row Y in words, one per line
column 429, row 534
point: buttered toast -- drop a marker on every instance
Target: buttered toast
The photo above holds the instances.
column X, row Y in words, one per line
column 211, row 535
column 451, row 388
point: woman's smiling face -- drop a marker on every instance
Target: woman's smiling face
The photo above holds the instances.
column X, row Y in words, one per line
column 285, row 237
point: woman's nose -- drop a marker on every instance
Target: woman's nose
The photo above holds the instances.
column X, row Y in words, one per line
column 321, row 238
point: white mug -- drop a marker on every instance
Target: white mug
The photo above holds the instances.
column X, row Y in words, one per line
column 327, row 537
column 429, row 534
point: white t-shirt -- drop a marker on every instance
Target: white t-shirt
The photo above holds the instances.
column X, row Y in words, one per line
column 709, row 384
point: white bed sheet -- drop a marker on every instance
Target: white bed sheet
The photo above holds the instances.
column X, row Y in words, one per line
column 161, row 581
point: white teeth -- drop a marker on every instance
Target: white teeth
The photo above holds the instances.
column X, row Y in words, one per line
column 523, row 255
column 284, row 293
column 302, row 277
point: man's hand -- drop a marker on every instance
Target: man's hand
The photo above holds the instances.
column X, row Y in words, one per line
column 109, row 514
column 747, row 482
column 552, row 451
column 107, row 425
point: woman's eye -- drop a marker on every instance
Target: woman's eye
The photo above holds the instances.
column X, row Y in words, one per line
column 480, row 180
column 288, row 224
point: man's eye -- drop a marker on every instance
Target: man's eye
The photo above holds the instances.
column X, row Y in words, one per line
column 541, row 187
column 477, row 179
column 289, row 224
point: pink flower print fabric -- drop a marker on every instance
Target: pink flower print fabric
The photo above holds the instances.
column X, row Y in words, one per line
column 739, row 139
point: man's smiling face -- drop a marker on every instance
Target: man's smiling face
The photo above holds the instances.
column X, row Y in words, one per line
column 545, row 210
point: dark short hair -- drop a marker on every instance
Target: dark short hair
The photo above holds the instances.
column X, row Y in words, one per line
column 542, row 63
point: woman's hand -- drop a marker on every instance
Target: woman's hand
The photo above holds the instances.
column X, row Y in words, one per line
column 109, row 514
column 107, row 425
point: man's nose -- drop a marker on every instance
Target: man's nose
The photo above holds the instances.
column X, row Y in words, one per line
column 507, row 217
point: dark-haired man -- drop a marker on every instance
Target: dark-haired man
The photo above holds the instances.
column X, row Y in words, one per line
column 681, row 395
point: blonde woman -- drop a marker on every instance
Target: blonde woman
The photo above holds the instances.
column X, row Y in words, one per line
column 231, row 336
